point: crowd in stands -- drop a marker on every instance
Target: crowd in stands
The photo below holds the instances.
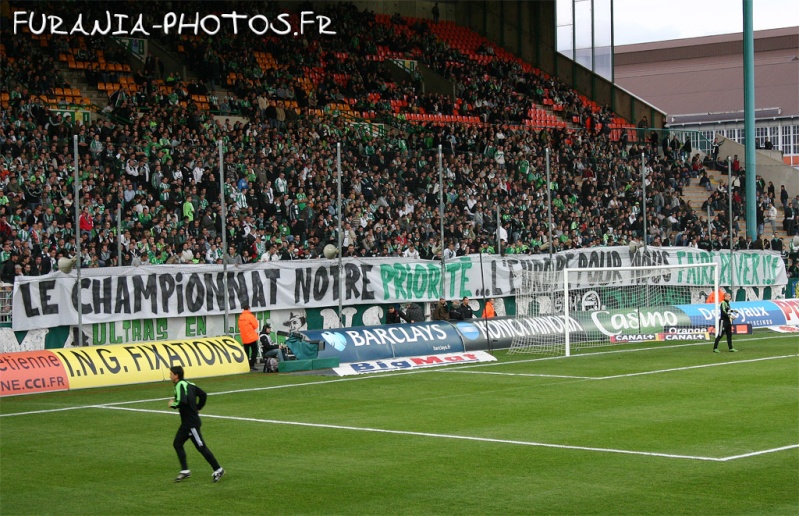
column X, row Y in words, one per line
column 154, row 161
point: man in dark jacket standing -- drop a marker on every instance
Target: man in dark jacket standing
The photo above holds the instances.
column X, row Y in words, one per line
column 464, row 310
column 413, row 313
column 190, row 399
column 393, row 315
column 441, row 311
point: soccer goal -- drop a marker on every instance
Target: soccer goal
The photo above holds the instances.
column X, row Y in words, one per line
column 558, row 312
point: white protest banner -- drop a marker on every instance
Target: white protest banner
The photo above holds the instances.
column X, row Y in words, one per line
column 165, row 291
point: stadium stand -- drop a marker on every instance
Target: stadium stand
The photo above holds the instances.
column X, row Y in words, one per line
column 280, row 106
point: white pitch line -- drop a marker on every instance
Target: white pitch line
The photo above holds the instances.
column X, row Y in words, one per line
column 626, row 375
column 47, row 411
column 585, row 353
column 437, row 436
column 456, row 369
column 762, row 452
column 79, row 407
column 117, row 406
column 532, row 374
column 284, row 386
column 687, row 368
column 235, row 391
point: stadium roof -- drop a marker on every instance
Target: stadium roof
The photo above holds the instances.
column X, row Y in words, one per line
column 701, row 79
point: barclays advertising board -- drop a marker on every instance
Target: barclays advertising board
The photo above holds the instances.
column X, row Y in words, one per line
column 388, row 341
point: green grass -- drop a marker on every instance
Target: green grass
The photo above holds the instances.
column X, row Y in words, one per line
column 544, row 436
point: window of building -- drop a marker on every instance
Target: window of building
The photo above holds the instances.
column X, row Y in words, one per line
column 761, row 133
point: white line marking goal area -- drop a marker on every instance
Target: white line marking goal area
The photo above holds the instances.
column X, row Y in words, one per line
column 466, row 437
column 626, row 375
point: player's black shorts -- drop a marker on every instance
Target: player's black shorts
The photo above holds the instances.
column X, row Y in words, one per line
column 189, row 432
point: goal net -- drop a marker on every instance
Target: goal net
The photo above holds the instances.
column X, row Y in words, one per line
column 558, row 312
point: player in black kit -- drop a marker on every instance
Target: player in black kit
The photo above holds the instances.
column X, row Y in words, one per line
column 190, row 399
column 726, row 314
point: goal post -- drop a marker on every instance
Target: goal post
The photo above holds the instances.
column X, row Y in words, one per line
column 580, row 308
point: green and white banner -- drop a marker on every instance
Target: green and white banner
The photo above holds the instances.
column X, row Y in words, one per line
column 76, row 114
column 175, row 291
column 136, row 46
column 409, row 65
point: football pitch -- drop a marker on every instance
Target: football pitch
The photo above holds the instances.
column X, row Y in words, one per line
column 634, row 429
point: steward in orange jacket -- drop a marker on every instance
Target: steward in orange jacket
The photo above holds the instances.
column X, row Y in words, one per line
column 711, row 299
column 488, row 310
column 248, row 330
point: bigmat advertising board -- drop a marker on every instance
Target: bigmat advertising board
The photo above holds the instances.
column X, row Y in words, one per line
column 103, row 366
column 413, row 363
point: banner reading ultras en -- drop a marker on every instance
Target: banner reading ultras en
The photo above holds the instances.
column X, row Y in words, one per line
column 104, row 366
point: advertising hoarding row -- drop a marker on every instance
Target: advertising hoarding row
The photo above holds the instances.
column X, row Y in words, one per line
column 105, row 366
